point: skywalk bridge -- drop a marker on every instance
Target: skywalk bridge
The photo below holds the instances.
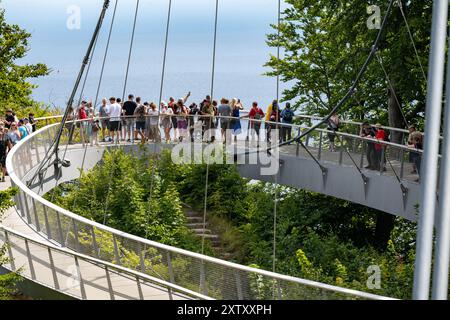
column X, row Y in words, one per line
column 86, row 260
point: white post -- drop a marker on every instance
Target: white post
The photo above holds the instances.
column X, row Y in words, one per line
column 442, row 250
column 429, row 166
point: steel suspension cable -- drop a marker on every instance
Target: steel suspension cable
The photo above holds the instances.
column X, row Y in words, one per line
column 350, row 92
column 352, row 88
column 72, row 125
column 54, row 147
column 155, row 161
column 98, row 86
column 106, row 53
column 99, row 83
column 161, row 89
column 363, row 176
column 163, row 72
column 131, row 50
column 82, row 124
column 213, row 72
column 169, row 13
column 123, row 95
column 80, row 98
column 400, row 5
column 388, row 79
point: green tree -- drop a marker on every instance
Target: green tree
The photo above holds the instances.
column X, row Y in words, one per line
column 325, row 44
column 15, row 90
column 134, row 194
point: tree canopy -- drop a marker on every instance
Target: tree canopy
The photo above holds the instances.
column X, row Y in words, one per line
column 325, row 44
column 15, row 88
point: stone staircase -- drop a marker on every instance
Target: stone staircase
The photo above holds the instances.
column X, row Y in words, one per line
column 194, row 221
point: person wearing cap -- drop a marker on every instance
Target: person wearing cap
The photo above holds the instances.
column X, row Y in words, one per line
column 9, row 118
column 166, row 120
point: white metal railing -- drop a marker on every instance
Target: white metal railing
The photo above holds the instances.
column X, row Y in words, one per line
column 37, row 251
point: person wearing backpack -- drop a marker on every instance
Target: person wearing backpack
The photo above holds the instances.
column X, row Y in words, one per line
column 287, row 118
column 140, row 114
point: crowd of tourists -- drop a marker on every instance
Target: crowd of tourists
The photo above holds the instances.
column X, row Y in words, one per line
column 12, row 130
column 135, row 120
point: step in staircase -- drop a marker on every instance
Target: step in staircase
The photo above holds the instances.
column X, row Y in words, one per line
column 194, row 221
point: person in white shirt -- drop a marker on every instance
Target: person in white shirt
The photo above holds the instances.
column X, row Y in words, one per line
column 114, row 113
column 28, row 125
column 166, row 120
column 154, row 122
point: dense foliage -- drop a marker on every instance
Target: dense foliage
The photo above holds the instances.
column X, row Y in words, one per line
column 318, row 237
column 132, row 194
column 325, row 44
column 15, row 88
column 7, row 281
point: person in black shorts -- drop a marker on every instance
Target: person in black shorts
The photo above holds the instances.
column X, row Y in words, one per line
column 140, row 117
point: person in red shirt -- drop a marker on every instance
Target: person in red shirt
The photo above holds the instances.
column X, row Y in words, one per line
column 255, row 114
column 380, row 136
column 82, row 115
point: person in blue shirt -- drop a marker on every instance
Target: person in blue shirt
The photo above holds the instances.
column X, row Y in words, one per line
column 287, row 117
column 23, row 130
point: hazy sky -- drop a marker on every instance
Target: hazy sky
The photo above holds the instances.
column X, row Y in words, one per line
column 241, row 47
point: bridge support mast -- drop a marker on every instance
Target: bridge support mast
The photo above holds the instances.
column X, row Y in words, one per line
column 429, row 174
column 54, row 148
column 442, row 250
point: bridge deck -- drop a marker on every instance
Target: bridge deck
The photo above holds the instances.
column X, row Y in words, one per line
column 94, row 278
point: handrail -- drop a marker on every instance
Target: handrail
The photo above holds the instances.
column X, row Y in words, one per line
column 299, row 116
column 120, row 269
column 186, row 253
column 261, row 121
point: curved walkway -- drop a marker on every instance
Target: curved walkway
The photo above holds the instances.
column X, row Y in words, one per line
column 105, row 263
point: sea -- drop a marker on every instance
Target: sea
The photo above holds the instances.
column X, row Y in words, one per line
column 61, row 30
